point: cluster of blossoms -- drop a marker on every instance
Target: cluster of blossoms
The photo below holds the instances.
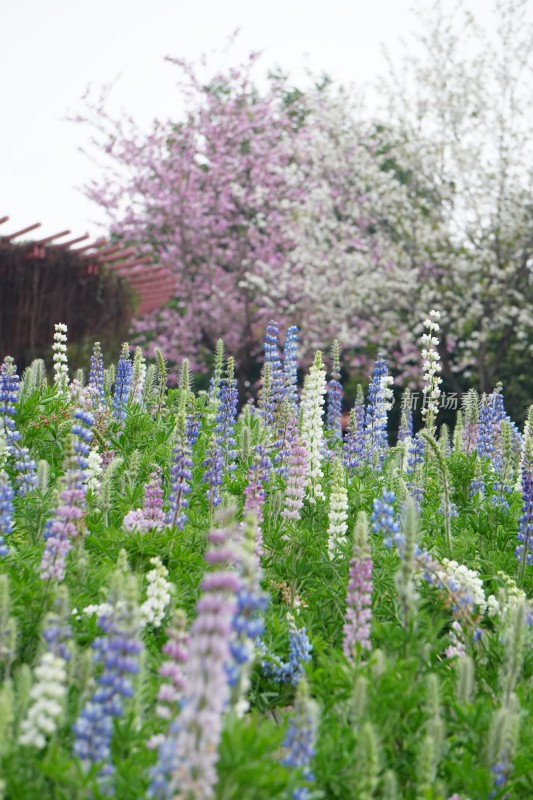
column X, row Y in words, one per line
column 384, row 520
column 122, row 384
column 6, row 510
column 379, row 403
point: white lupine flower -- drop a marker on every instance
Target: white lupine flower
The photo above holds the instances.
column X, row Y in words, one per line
column 47, row 698
column 338, row 511
column 468, row 581
column 158, row 594
column 60, row 358
column 431, row 369
column 94, row 470
column 312, row 429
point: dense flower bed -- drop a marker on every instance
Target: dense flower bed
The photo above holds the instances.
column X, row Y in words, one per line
column 196, row 603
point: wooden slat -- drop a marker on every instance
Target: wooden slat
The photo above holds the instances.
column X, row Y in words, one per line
column 65, row 245
column 51, row 238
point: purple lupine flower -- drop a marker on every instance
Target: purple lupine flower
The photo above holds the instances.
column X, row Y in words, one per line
column 353, row 447
column 384, row 519
column 334, row 396
column 214, row 466
column 65, row 525
column 524, row 551
column 180, row 474
column 300, row 739
column 198, row 729
column 379, row 402
column 172, row 669
column 122, row 384
column 272, row 357
column 297, row 472
column 227, row 415
column 300, row 649
column 96, row 378
column 290, row 365
column 6, row 511
column 153, row 500
column 356, row 632
column 118, row 652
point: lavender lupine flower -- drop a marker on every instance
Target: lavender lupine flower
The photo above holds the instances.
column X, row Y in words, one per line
column 151, row 515
column 384, row 519
column 118, row 652
column 122, row 384
column 226, row 416
column 290, row 365
column 297, row 472
column 405, row 431
column 356, row 632
column 272, row 357
column 353, row 447
column 471, row 419
column 334, row 395
column 60, row 358
column 338, row 510
column 254, row 498
column 266, row 402
column 96, row 378
column 6, row 511
column 82, row 433
column 312, row 431
column 48, row 694
column 301, row 735
column 176, row 651
column 65, row 525
column 379, row 402
column 198, row 728
column 300, row 649
column 248, row 620
column 524, row 551
column 181, row 474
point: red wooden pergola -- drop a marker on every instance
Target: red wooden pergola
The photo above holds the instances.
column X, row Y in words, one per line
column 154, row 285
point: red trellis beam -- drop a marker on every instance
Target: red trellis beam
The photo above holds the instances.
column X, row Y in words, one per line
column 51, row 238
column 3, row 219
column 24, row 230
column 64, row 245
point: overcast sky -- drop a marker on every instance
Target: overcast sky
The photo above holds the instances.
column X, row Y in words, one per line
column 53, row 50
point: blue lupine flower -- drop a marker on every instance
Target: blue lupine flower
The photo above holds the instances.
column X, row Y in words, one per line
column 379, row 402
column 118, row 652
column 122, row 383
column 227, row 415
column 300, row 649
column 384, row 519
column 82, row 433
column 180, row 475
column 9, row 391
column 290, row 365
column 524, row 551
column 96, row 377
column 272, row 357
column 300, row 738
column 6, row 511
column 354, row 444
